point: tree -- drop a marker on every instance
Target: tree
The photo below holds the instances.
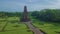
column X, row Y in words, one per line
column 47, row 15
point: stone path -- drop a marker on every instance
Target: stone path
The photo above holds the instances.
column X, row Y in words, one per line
column 35, row 30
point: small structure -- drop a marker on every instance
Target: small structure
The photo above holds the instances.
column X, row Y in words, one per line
column 25, row 18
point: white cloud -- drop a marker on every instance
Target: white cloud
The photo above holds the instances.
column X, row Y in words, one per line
column 31, row 4
column 30, row 1
column 56, row 4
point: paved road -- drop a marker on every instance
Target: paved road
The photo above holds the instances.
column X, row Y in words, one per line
column 35, row 30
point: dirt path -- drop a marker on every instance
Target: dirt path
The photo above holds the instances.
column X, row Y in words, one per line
column 35, row 30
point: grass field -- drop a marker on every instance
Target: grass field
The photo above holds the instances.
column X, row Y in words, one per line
column 13, row 27
column 47, row 27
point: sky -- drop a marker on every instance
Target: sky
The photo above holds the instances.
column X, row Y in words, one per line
column 32, row 5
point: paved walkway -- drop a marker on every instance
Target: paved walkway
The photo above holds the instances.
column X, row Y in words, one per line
column 35, row 30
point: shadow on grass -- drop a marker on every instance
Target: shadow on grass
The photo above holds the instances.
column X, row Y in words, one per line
column 7, row 30
column 14, row 21
column 57, row 32
column 16, row 26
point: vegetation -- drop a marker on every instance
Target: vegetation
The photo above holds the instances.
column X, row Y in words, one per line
column 47, row 20
column 10, row 14
column 13, row 26
column 52, row 15
column 46, row 27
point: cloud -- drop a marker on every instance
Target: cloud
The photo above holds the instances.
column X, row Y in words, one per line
column 18, row 5
column 52, row 4
column 30, row 1
column 56, row 4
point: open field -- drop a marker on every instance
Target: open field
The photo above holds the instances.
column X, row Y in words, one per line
column 13, row 26
column 47, row 27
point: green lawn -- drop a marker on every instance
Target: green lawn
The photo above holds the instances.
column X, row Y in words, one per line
column 47, row 27
column 13, row 27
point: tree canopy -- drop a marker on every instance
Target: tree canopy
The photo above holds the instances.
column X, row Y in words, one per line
column 47, row 15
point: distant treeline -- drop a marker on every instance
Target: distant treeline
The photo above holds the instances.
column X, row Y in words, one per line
column 10, row 14
column 44, row 15
column 47, row 15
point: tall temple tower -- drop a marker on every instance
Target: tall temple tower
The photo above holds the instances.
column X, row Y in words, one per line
column 25, row 15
